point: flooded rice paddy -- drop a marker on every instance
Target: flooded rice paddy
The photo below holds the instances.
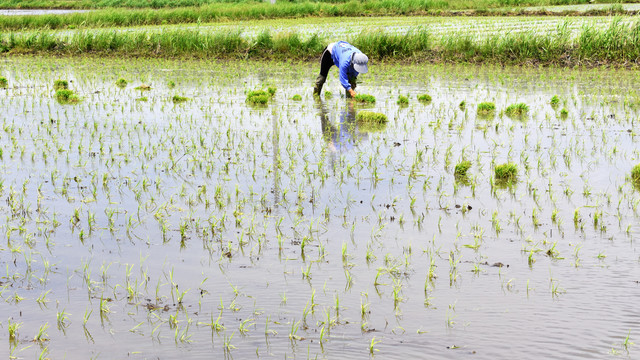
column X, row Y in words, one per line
column 476, row 28
column 142, row 225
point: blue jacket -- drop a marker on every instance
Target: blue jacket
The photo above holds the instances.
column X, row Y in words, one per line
column 341, row 56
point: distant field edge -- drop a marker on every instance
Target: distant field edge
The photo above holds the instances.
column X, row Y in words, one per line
column 116, row 17
column 616, row 45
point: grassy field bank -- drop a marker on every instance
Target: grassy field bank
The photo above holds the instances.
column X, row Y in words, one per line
column 440, row 4
column 252, row 11
column 618, row 44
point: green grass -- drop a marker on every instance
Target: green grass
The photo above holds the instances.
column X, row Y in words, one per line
column 403, row 100
column 400, row 6
column 507, row 172
column 160, row 12
column 296, row 97
column 462, row 167
column 3, row 82
column 369, row 121
column 179, row 99
column 486, row 108
column 555, row 101
column 515, row 110
column 564, row 113
column 635, row 175
column 365, row 99
column 260, row 97
column 66, row 96
column 60, row 84
column 424, row 98
column 617, row 44
column 122, row 83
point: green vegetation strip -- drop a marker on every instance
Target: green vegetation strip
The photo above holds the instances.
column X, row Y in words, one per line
column 215, row 12
column 617, row 44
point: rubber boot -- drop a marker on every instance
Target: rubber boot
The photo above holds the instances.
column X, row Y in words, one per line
column 319, row 83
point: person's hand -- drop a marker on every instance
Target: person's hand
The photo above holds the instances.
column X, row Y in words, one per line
column 352, row 93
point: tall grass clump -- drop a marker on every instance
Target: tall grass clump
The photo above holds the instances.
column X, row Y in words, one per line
column 506, row 173
column 635, row 176
column 516, row 110
column 424, row 98
column 403, row 100
column 486, row 108
column 60, row 84
column 66, row 96
column 3, row 82
column 260, row 97
column 365, row 98
column 121, row 83
column 461, row 168
column 617, row 44
column 369, row 121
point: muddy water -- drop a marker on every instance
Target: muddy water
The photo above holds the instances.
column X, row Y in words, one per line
column 305, row 235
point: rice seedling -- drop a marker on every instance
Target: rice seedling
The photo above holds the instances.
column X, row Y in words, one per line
column 297, row 97
column 65, row 96
column 60, row 85
column 121, row 83
column 3, row 82
column 461, row 168
column 424, row 98
column 260, row 97
column 179, row 99
column 486, row 108
column 506, row 173
column 564, row 113
column 555, row 101
column 365, row 99
column 403, row 100
column 635, row 175
column 516, row 110
column 234, row 194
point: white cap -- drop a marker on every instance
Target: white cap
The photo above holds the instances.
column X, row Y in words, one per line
column 360, row 62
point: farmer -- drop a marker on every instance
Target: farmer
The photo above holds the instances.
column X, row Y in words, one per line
column 350, row 62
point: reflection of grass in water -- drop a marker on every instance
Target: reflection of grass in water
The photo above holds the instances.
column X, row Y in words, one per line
column 365, row 99
column 369, row 121
column 516, row 110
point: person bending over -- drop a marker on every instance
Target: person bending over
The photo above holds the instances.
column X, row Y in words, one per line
column 350, row 62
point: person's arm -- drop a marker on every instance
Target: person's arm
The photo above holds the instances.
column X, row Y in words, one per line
column 344, row 76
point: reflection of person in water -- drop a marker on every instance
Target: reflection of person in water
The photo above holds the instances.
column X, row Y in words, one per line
column 344, row 135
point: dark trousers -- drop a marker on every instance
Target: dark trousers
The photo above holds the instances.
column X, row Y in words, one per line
column 326, row 62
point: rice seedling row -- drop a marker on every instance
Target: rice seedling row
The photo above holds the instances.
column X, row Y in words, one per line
column 213, row 225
